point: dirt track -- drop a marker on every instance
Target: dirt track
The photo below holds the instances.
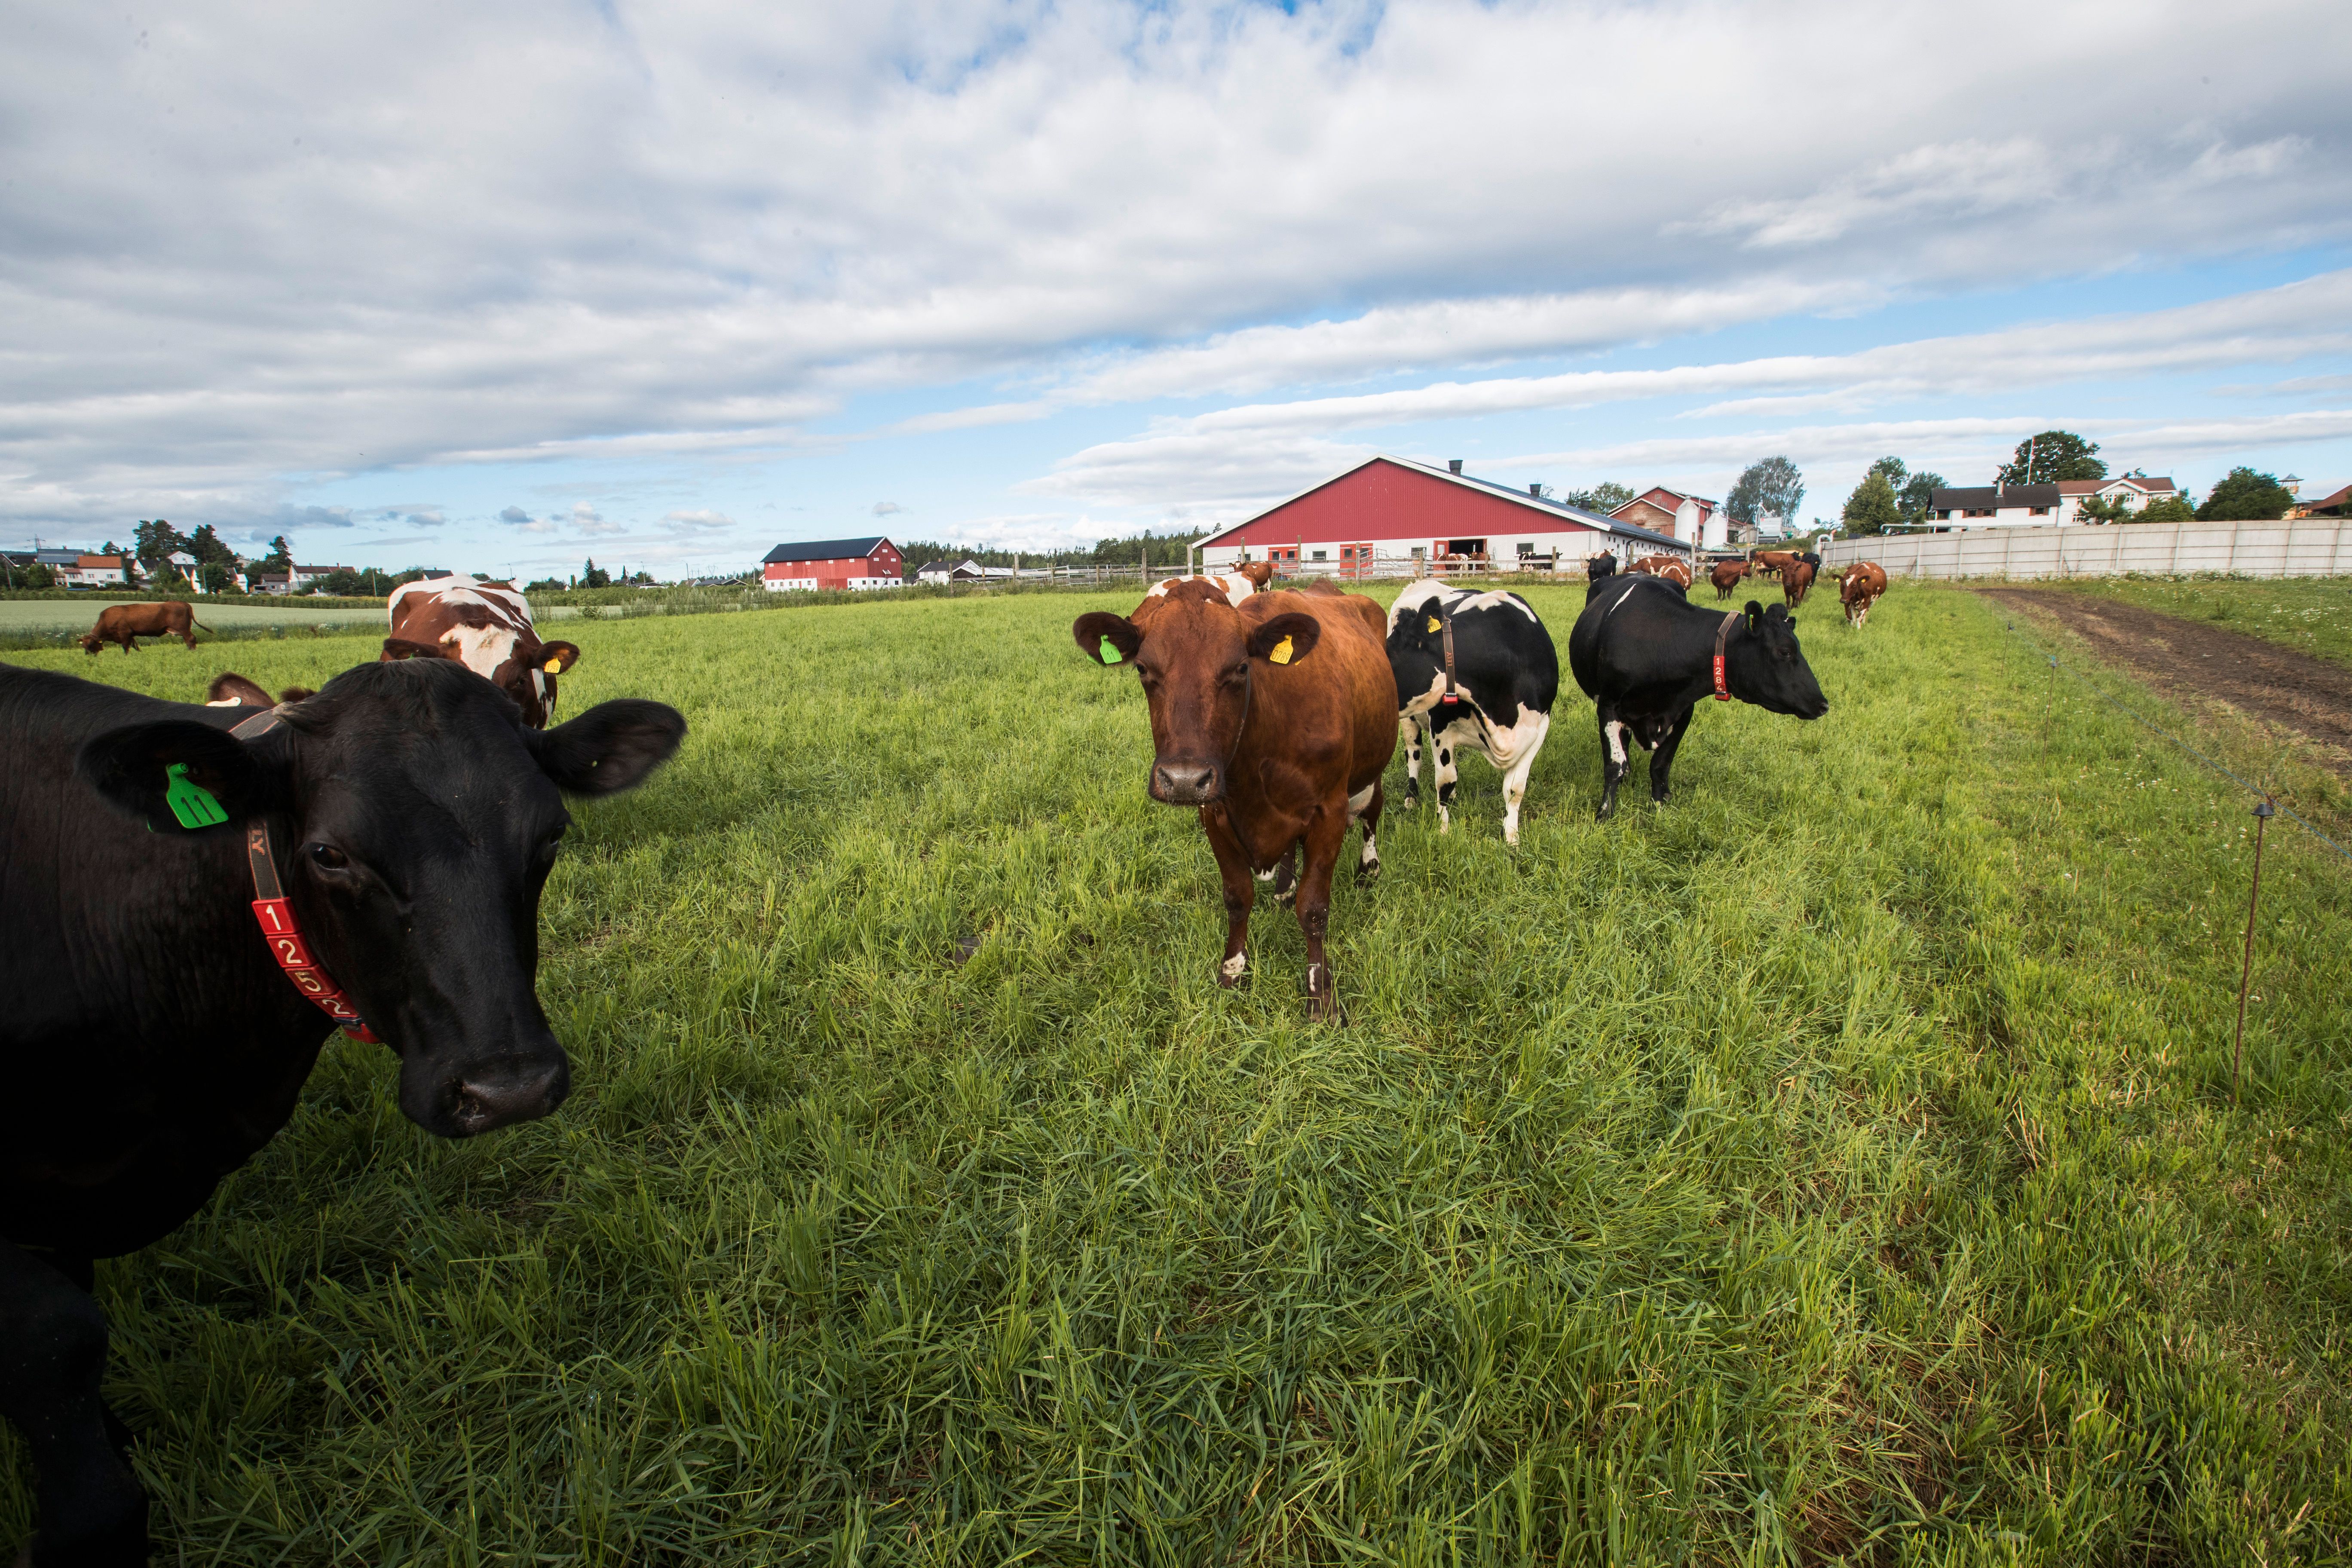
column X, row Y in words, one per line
column 2295, row 692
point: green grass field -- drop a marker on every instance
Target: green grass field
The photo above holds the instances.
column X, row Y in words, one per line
column 1837, row 1165
column 2311, row 615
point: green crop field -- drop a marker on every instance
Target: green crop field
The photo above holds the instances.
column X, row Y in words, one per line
column 1839, row 1165
column 2311, row 615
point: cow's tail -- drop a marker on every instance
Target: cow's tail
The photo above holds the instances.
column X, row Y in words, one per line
column 200, row 625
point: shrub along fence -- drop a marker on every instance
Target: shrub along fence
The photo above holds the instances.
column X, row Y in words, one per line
column 2317, row 547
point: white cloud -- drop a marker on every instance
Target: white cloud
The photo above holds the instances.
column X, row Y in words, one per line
column 534, row 233
column 696, row 522
column 887, row 508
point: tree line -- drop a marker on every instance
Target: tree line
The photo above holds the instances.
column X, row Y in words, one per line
column 1891, row 495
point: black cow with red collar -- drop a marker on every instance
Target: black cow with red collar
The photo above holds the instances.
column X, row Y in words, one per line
column 156, row 1037
column 1647, row 657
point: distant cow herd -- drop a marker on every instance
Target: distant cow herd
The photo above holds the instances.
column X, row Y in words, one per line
column 199, row 895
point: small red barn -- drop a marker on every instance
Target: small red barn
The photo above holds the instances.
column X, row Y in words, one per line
column 834, row 564
column 1656, row 508
column 1387, row 514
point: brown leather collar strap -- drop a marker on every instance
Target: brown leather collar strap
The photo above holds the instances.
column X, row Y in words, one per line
column 1445, row 621
column 275, row 914
column 1722, row 636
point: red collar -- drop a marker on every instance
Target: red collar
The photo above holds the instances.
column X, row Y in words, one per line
column 276, row 914
column 1722, row 633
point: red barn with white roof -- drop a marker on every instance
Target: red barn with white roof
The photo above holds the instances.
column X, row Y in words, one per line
column 1387, row 513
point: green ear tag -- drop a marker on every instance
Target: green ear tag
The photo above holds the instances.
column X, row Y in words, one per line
column 1109, row 651
column 191, row 802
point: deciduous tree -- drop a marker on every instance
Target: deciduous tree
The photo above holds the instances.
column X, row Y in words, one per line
column 2052, row 456
column 1871, row 508
column 1918, row 496
column 1605, row 496
column 1773, row 485
column 2246, row 496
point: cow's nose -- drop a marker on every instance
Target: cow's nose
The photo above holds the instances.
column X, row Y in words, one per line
column 521, row 1092
column 1184, row 784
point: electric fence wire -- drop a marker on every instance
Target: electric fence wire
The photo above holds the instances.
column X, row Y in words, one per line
column 2138, row 718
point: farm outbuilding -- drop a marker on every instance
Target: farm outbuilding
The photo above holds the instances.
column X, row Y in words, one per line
column 871, row 562
column 1390, row 516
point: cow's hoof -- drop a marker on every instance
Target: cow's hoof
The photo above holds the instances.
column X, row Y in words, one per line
column 1229, row 972
column 1367, row 873
column 1408, row 803
column 1323, row 996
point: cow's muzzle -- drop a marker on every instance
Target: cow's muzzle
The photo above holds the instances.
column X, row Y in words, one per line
column 1187, row 783
column 497, row 1094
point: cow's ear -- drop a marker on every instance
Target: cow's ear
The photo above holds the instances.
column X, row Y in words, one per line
column 1287, row 638
column 610, row 748
column 555, row 657
column 1755, row 614
column 1097, row 629
column 398, row 648
column 176, row 775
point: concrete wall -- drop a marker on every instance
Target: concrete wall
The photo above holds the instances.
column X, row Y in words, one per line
column 2314, row 547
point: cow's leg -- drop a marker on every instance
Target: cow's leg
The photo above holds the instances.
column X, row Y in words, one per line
column 1446, row 774
column 52, row 1354
column 1286, row 876
column 1233, row 871
column 1616, row 743
column 1409, row 733
column 1325, row 833
column 1364, row 806
column 1514, row 782
column 1662, row 762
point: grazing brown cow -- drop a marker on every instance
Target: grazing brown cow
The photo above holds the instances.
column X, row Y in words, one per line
column 126, row 624
column 487, row 627
column 1727, row 576
column 1673, row 568
column 1796, row 581
column 1770, row 563
column 1859, row 589
column 1276, row 718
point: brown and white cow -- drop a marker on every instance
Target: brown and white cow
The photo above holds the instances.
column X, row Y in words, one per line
column 487, row 627
column 1276, row 718
column 126, row 624
column 1249, row 577
column 1726, row 577
column 1859, row 589
column 1673, row 568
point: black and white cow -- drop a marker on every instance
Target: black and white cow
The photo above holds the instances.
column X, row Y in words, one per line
column 1504, row 675
column 1647, row 657
column 378, row 848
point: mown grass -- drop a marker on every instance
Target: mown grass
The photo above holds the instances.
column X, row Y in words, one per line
column 2310, row 615
column 1839, row 1165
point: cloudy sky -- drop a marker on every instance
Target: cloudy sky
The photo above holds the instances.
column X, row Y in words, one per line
column 498, row 288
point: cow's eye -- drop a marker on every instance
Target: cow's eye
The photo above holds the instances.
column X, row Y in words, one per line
column 326, row 856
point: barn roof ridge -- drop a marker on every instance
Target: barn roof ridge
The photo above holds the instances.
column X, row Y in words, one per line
column 1599, row 522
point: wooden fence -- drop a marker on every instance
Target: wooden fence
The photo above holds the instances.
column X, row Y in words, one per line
column 2314, row 547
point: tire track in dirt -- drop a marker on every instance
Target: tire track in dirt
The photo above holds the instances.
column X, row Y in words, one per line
column 2292, row 690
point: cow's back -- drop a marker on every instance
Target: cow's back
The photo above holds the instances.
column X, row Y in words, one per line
column 1338, row 704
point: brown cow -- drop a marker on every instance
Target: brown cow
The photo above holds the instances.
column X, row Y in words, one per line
column 1727, row 576
column 1276, row 718
column 1771, row 562
column 1259, row 572
column 1859, row 589
column 487, row 627
column 126, row 624
column 1796, row 581
column 1673, row 568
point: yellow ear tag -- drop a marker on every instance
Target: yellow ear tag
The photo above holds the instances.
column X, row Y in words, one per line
column 1433, row 626
column 554, row 667
column 1279, row 653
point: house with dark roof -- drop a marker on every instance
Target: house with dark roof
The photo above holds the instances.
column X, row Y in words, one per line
column 1388, row 515
column 869, row 562
column 2338, row 504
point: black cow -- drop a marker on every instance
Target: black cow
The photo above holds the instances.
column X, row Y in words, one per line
column 1599, row 568
column 154, row 1037
column 1506, row 674
column 1646, row 656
